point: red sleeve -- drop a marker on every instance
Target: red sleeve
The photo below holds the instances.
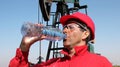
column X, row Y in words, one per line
column 49, row 63
column 106, row 63
column 20, row 60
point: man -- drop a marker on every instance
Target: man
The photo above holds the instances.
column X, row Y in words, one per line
column 79, row 29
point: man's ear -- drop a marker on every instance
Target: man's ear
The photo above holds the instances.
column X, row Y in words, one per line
column 85, row 34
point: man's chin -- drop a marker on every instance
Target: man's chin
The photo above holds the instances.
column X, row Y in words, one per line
column 66, row 45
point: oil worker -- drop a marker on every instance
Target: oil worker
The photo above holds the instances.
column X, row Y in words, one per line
column 79, row 29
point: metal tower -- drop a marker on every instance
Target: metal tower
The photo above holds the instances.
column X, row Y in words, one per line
column 62, row 8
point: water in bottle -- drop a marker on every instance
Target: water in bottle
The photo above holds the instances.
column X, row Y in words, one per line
column 53, row 34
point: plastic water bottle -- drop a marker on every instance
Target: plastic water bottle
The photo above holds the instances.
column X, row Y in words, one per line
column 53, row 34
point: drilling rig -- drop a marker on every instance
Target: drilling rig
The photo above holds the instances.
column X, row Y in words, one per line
column 61, row 8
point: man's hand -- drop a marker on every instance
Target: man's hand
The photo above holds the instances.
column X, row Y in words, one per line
column 28, row 41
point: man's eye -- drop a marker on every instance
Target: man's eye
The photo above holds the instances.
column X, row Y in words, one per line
column 65, row 27
column 71, row 27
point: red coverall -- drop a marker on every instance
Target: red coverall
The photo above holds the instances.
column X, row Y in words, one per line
column 82, row 58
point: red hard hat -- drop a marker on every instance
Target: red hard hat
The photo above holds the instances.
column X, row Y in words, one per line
column 82, row 17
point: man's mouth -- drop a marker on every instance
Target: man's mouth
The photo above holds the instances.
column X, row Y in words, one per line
column 66, row 38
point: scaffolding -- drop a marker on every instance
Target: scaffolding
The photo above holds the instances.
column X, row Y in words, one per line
column 62, row 8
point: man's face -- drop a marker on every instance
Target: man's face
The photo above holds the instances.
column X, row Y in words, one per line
column 73, row 35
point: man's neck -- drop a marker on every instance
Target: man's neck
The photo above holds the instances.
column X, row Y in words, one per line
column 71, row 52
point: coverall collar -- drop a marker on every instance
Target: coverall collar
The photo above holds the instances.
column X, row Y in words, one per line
column 79, row 50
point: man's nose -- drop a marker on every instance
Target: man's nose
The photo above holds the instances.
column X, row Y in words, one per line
column 65, row 30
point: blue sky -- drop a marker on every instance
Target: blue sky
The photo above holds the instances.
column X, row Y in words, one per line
column 13, row 13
